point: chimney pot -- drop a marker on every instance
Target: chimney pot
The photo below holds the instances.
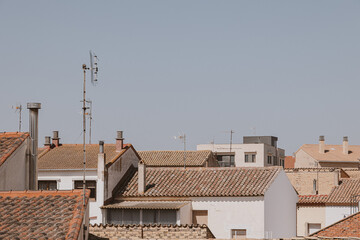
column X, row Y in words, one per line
column 47, row 142
column 119, row 141
column 322, row 144
column 345, row 145
column 56, row 139
column 101, row 146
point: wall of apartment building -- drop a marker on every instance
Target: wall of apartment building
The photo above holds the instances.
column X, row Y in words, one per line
column 280, row 208
column 227, row 213
column 336, row 213
column 14, row 171
column 304, row 160
column 113, row 232
column 303, row 180
column 66, row 181
column 262, row 151
column 117, row 170
column 309, row 214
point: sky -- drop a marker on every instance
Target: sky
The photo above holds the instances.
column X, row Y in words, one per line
column 290, row 69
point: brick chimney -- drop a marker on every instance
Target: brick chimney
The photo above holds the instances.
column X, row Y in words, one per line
column 345, row 145
column 322, row 144
column 141, row 177
column 56, row 139
column 119, row 141
column 47, row 143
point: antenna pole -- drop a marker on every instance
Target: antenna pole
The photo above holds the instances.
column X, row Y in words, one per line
column 84, row 132
column 231, row 133
column 184, row 151
column 20, row 108
column 90, row 118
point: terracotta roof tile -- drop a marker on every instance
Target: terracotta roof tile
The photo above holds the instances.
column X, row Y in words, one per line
column 332, row 152
column 41, row 214
column 175, row 158
column 202, row 182
column 70, row 156
column 312, row 199
column 344, row 192
column 289, row 162
column 9, row 142
column 345, row 228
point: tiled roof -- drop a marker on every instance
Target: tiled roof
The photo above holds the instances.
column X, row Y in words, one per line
column 344, row 192
column 345, row 228
column 41, row 214
column 9, row 142
column 202, row 182
column 332, row 153
column 312, row 199
column 353, row 173
column 147, row 205
column 289, row 162
column 70, row 156
column 175, row 158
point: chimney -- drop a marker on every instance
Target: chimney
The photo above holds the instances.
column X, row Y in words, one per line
column 119, row 141
column 33, row 128
column 336, row 177
column 322, row 144
column 56, row 139
column 101, row 175
column 47, row 143
column 141, row 177
column 345, row 146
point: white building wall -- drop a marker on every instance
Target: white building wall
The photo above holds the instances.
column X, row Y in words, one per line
column 280, row 208
column 304, row 160
column 309, row 214
column 226, row 213
column 14, row 171
column 336, row 213
column 66, row 181
column 262, row 151
column 186, row 214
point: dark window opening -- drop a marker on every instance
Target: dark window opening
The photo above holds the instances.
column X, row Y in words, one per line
column 89, row 184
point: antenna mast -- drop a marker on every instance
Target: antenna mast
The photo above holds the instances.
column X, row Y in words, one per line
column 231, row 134
column 94, row 70
column 183, row 138
column 19, row 108
column 90, row 118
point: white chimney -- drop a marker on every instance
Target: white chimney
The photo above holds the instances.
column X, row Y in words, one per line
column 322, row 144
column 141, row 177
column 101, row 175
column 33, row 122
column 119, row 141
column 345, row 146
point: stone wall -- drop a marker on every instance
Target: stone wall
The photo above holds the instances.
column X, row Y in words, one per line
column 116, row 232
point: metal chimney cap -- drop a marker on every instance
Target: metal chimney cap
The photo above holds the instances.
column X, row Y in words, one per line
column 119, row 135
column 56, row 135
column 47, row 140
column 101, row 146
column 321, row 138
column 33, row 105
column 345, row 138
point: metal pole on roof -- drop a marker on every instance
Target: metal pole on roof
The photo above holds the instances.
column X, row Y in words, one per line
column 84, row 131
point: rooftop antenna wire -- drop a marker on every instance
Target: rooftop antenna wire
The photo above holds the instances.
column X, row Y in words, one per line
column 19, row 108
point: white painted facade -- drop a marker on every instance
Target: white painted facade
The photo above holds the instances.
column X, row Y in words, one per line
column 66, row 178
column 14, row 172
column 336, row 213
column 262, row 151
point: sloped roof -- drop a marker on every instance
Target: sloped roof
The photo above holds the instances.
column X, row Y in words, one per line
column 289, row 162
column 175, row 158
column 147, row 205
column 9, row 142
column 202, row 182
column 70, row 156
column 353, row 173
column 344, row 192
column 333, row 153
column 41, row 214
column 312, row 199
column 345, row 228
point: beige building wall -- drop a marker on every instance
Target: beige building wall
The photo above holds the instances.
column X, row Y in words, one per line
column 309, row 214
column 304, row 160
column 303, row 180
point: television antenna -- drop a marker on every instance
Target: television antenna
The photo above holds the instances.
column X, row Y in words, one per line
column 182, row 137
column 231, row 137
column 89, row 114
column 93, row 68
column 18, row 108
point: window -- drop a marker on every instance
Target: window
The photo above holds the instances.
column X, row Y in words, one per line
column 275, row 160
column 250, row 157
column 313, row 227
column 89, row 184
column 47, row 185
column 226, row 160
column 238, row 233
column 141, row 216
column 269, row 159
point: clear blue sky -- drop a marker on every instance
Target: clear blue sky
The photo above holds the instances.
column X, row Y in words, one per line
column 289, row 68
